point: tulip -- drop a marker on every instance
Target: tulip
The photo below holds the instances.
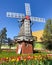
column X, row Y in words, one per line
column 18, row 59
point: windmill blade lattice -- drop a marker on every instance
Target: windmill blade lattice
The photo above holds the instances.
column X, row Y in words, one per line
column 37, row 19
column 27, row 9
column 15, row 15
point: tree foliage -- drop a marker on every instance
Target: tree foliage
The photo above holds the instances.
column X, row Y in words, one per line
column 47, row 35
column 10, row 42
column 3, row 36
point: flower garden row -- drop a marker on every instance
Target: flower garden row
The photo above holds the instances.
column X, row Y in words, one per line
column 27, row 60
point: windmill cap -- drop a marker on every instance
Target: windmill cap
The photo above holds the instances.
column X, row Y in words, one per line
column 27, row 17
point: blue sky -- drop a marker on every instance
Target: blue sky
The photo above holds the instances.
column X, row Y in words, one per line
column 39, row 8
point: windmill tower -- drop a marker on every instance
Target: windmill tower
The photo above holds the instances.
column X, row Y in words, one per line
column 25, row 38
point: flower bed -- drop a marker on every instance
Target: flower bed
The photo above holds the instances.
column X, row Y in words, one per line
column 27, row 60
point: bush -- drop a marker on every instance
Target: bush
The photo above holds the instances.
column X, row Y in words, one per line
column 38, row 45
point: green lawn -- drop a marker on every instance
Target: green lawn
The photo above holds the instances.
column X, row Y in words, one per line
column 13, row 53
column 7, row 54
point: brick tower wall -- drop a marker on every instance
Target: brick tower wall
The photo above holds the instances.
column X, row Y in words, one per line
column 27, row 48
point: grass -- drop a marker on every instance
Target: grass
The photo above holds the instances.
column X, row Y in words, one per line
column 4, row 54
column 7, row 54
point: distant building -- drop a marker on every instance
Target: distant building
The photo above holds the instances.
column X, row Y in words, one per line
column 38, row 34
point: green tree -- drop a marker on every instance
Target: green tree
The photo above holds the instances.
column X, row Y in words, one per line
column 47, row 34
column 10, row 42
column 3, row 35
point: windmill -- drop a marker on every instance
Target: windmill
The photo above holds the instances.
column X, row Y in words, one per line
column 25, row 37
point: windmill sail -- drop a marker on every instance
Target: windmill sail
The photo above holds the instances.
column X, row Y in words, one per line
column 27, row 9
column 37, row 19
column 15, row 15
